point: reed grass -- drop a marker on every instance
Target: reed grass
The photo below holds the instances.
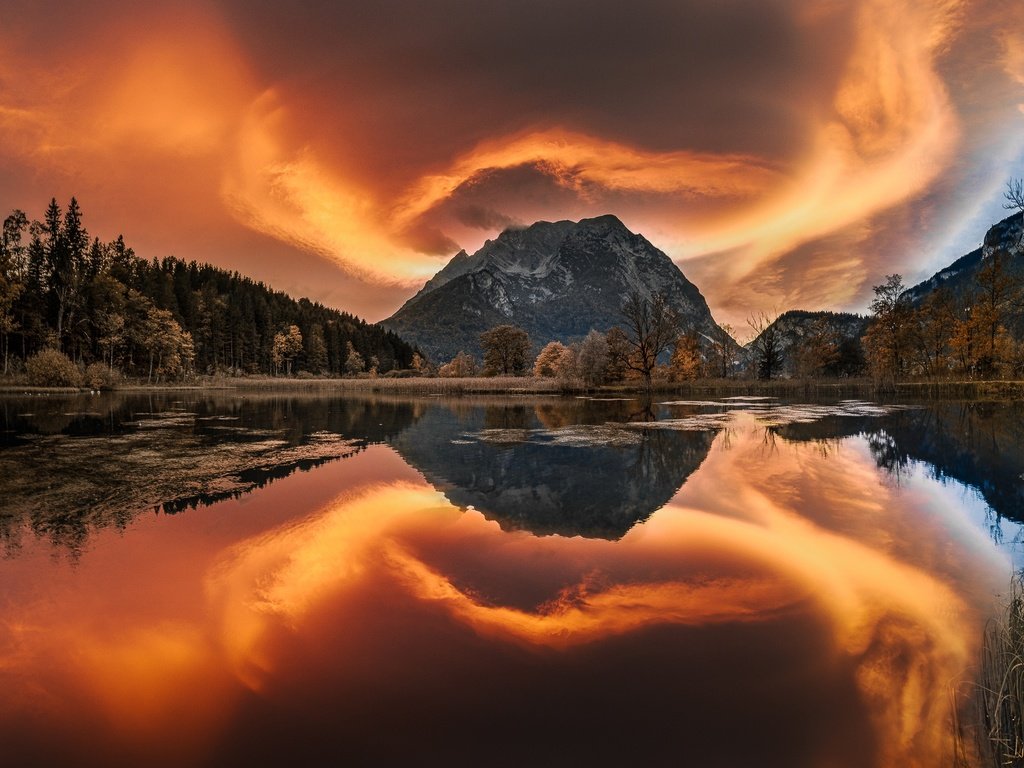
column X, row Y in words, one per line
column 517, row 385
column 989, row 713
column 512, row 385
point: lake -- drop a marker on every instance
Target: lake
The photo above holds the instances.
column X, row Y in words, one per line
column 221, row 579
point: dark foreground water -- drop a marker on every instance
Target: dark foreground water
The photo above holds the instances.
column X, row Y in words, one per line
column 228, row 580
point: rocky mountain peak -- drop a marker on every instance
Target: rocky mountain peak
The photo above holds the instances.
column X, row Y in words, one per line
column 558, row 280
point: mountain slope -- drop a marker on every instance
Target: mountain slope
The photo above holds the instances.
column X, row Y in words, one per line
column 960, row 276
column 556, row 280
column 795, row 327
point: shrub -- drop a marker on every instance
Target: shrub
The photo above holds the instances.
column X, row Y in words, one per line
column 51, row 368
column 99, row 376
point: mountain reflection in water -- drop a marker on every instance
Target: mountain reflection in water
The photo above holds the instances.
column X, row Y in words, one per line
column 550, row 469
column 791, row 604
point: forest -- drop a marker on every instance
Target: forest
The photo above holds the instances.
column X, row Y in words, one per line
column 70, row 303
column 75, row 310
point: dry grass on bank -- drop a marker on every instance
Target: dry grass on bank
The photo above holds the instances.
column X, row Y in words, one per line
column 989, row 724
column 518, row 385
column 442, row 386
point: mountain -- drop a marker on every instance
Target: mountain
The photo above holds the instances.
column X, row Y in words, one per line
column 792, row 329
column 960, row 277
column 557, row 280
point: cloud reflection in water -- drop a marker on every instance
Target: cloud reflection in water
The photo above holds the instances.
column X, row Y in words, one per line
column 754, row 536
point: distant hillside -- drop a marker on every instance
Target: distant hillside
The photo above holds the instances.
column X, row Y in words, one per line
column 960, row 277
column 795, row 327
column 556, row 280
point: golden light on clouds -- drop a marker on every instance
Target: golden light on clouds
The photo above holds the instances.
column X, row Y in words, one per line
column 892, row 132
column 1013, row 46
column 587, row 165
column 286, row 193
column 188, row 107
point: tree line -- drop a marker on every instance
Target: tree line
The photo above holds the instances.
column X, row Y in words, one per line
column 649, row 346
column 974, row 334
column 69, row 298
column 68, row 303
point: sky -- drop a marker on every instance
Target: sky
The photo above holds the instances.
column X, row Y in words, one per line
column 784, row 153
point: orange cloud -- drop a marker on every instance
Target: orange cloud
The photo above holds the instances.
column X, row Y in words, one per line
column 580, row 162
column 174, row 106
column 1013, row 54
column 173, row 90
column 893, row 130
column 287, row 193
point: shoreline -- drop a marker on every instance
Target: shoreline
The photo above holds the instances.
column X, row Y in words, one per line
column 509, row 385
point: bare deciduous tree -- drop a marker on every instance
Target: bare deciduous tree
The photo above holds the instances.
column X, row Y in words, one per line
column 1015, row 201
column 766, row 345
column 652, row 326
column 1014, row 195
column 723, row 350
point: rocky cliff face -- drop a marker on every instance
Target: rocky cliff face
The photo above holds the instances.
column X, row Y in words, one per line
column 556, row 280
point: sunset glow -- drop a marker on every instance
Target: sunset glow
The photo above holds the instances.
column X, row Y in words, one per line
column 776, row 174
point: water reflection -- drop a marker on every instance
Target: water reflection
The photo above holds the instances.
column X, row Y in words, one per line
column 73, row 465
column 549, row 465
column 784, row 608
column 553, row 468
column 979, row 444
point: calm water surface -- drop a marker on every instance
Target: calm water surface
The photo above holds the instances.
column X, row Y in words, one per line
column 231, row 580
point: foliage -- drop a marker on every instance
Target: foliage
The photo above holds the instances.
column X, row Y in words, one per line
column 316, row 350
column 998, row 295
column 461, row 366
column 99, row 376
column 287, row 346
column 52, row 368
column 886, row 340
column 354, row 363
column 506, row 349
column 592, row 359
column 818, row 351
column 99, row 302
column 687, row 362
column 547, row 361
column 566, row 367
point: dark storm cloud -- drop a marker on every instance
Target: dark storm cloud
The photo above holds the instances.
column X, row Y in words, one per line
column 710, row 77
column 478, row 217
